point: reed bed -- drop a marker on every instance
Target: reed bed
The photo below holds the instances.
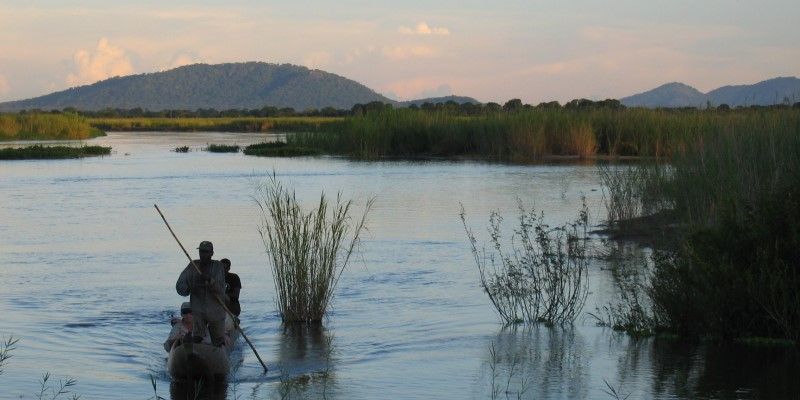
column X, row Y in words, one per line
column 278, row 149
column 735, row 198
column 35, row 126
column 39, row 152
column 220, row 124
column 534, row 134
column 541, row 275
column 308, row 250
column 222, row 148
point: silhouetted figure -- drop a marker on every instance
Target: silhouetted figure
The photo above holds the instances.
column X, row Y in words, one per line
column 206, row 291
column 232, row 287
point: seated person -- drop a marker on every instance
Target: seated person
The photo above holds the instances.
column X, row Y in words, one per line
column 181, row 327
column 232, row 287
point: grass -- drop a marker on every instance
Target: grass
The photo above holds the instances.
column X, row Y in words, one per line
column 542, row 275
column 308, row 250
column 223, row 148
column 181, row 149
column 278, row 149
column 537, row 134
column 735, row 201
column 39, row 152
column 219, row 124
column 7, row 346
column 39, row 126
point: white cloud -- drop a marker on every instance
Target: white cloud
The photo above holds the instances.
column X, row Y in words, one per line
column 406, row 52
column 180, row 59
column 106, row 61
column 417, row 88
column 422, row 28
column 4, row 88
column 317, row 59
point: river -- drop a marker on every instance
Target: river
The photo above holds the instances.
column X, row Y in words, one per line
column 88, row 274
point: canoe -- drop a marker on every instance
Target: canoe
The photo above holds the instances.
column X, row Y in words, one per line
column 193, row 361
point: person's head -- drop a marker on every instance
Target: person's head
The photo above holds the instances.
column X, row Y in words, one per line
column 226, row 263
column 186, row 311
column 206, row 250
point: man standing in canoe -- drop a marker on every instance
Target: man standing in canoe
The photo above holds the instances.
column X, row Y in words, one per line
column 205, row 291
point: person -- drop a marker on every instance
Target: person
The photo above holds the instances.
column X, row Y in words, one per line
column 206, row 293
column 233, row 285
column 181, row 327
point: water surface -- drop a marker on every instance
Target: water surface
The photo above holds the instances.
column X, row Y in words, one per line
column 89, row 271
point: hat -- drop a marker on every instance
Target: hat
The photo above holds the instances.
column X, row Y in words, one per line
column 186, row 307
column 206, row 246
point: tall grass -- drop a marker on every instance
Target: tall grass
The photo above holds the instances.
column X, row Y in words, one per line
column 308, row 250
column 541, row 276
column 7, row 346
column 222, row 124
column 530, row 135
column 38, row 152
column 736, row 200
column 31, row 126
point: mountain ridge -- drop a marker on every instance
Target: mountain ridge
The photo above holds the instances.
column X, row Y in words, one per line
column 780, row 90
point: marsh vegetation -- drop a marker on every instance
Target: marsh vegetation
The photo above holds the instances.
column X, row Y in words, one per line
column 278, row 149
column 308, row 250
column 42, row 126
column 39, row 152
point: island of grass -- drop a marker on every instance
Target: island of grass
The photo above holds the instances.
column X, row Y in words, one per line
column 279, row 149
column 223, row 148
column 43, row 126
column 39, row 152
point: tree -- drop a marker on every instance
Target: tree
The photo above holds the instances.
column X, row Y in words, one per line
column 512, row 105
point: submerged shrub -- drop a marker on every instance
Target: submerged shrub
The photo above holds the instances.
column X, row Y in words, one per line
column 308, row 250
column 543, row 276
column 222, row 148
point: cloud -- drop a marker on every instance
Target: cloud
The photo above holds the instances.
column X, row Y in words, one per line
column 317, row 59
column 180, row 59
column 406, row 52
column 417, row 88
column 4, row 88
column 422, row 28
column 106, row 61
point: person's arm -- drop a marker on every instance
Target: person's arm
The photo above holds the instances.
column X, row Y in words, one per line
column 182, row 285
column 174, row 334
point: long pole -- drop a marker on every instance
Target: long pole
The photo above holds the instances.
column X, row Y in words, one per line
column 216, row 296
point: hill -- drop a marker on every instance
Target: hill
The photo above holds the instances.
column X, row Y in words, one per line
column 248, row 85
column 772, row 91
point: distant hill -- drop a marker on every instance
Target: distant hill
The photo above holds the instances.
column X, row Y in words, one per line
column 434, row 100
column 772, row 91
column 248, row 85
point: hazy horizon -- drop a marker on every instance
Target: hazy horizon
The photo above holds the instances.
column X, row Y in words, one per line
column 512, row 49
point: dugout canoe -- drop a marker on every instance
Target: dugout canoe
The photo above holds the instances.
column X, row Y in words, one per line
column 193, row 361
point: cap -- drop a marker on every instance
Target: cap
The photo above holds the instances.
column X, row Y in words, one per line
column 206, row 246
column 186, row 307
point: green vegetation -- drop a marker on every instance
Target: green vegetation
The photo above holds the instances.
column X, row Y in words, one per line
column 222, row 148
column 524, row 133
column 39, row 126
column 542, row 277
column 308, row 250
column 278, row 149
column 181, row 149
column 735, row 205
column 39, row 152
column 223, row 124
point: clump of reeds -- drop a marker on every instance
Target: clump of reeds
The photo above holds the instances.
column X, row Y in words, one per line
column 222, row 148
column 54, row 391
column 308, row 249
column 278, row 149
column 541, row 274
column 181, row 149
column 40, row 152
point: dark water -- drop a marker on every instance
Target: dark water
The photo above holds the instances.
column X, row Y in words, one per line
column 88, row 273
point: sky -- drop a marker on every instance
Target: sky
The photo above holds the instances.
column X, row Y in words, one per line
column 494, row 51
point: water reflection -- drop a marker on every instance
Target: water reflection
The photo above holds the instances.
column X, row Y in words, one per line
column 305, row 360
column 535, row 362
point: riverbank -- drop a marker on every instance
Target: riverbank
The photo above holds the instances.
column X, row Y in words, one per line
column 217, row 124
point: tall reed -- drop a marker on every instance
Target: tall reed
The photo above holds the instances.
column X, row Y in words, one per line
column 308, row 250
